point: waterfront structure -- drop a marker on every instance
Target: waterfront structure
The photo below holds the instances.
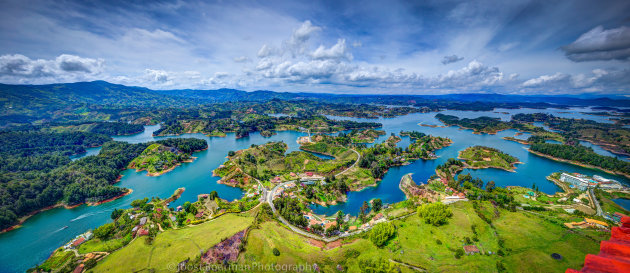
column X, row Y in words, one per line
column 579, row 182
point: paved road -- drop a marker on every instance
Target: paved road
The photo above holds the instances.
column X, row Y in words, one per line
column 269, row 197
column 594, row 199
column 354, row 164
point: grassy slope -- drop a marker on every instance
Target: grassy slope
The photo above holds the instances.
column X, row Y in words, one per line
column 152, row 156
column 475, row 157
column 533, row 240
column 172, row 246
column 530, row 238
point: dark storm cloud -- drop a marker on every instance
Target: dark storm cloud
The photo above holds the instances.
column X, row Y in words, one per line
column 600, row 44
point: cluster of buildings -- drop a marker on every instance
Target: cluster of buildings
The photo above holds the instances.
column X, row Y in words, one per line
column 138, row 230
column 583, row 182
column 77, row 241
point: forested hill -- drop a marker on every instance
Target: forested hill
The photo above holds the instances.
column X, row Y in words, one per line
column 105, row 93
column 38, row 173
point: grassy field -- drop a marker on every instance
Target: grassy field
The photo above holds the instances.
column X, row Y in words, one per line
column 532, row 240
column 172, row 246
column 528, row 240
column 96, row 245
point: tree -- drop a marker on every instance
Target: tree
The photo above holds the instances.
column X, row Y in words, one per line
column 231, row 153
column 436, row 214
column 364, row 207
column 490, row 186
column 186, row 206
column 381, row 233
column 105, row 231
column 276, row 252
column 213, row 195
column 139, row 202
column 340, row 216
column 116, row 213
column 377, row 204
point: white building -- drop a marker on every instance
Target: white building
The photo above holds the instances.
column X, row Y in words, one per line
column 578, row 182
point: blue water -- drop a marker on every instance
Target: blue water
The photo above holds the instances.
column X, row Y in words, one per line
column 41, row 234
column 624, row 203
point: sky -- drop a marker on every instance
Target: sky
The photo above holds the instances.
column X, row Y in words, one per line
column 376, row 47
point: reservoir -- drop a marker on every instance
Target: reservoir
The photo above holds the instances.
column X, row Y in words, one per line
column 41, row 234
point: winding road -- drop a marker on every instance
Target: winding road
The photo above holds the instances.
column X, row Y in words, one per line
column 268, row 195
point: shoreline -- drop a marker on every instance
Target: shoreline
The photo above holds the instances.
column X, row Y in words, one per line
column 579, row 164
column 24, row 218
column 191, row 160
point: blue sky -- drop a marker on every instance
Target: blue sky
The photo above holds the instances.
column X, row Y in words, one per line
column 398, row 47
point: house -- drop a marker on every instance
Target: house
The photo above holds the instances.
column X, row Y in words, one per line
column 352, row 228
column 78, row 242
column 309, row 173
column 471, row 249
column 292, row 174
column 143, row 221
column 444, row 181
column 142, row 232
column 596, row 223
column 330, row 224
column 178, row 209
column 78, row 269
column 199, row 215
column 314, row 222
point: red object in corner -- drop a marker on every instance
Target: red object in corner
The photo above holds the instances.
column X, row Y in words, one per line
column 614, row 254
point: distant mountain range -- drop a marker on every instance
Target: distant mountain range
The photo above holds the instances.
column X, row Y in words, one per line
column 56, row 96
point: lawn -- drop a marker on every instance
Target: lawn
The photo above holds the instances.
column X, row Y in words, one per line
column 532, row 240
column 96, row 245
column 173, row 246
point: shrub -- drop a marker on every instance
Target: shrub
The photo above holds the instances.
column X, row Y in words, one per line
column 459, row 253
column 436, row 214
column 381, row 233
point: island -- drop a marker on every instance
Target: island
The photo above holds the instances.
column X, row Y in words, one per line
column 479, row 157
column 158, row 159
column 581, row 156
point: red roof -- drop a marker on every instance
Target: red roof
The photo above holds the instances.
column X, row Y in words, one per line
column 142, row 232
column 614, row 254
column 78, row 241
column 471, row 249
column 78, row 269
column 309, row 173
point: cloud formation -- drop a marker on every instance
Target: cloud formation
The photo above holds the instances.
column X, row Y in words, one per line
column 451, row 59
column 600, row 44
column 17, row 67
column 358, row 47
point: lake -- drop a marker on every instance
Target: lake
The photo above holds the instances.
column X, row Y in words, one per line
column 41, row 234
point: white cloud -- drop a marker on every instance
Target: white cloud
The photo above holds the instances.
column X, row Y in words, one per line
column 339, row 52
column 19, row 68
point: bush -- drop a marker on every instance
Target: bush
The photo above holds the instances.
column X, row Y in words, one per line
column 436, row 214
column 377, row 266
column 276, row 252
column 381, row 233
column 103, row 232
column 459, row 253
